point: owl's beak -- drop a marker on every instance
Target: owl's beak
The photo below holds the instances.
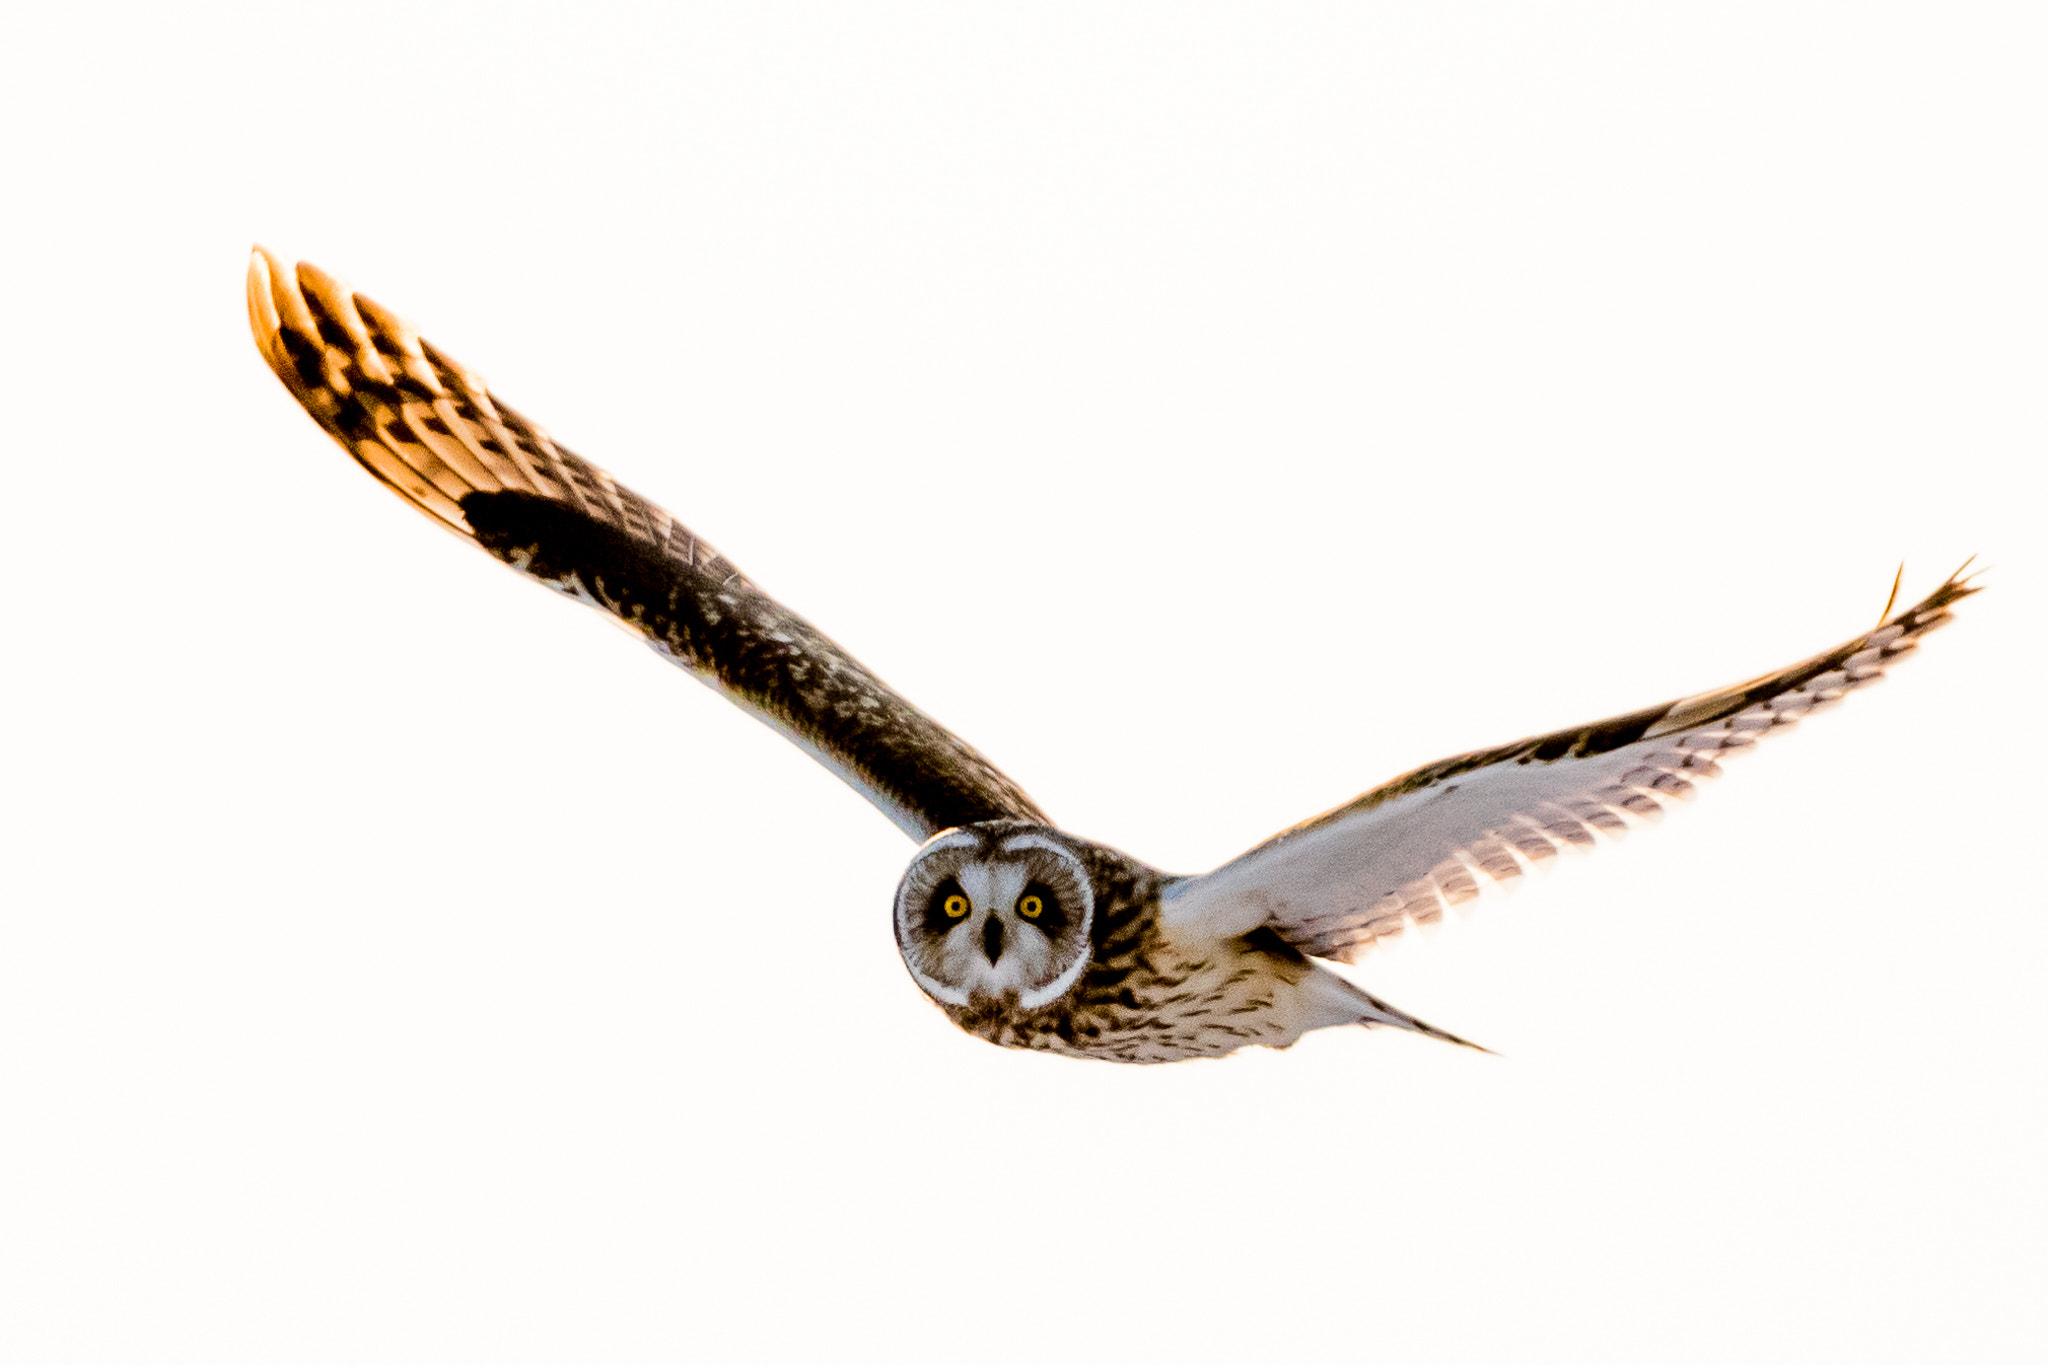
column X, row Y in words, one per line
column 992, row 938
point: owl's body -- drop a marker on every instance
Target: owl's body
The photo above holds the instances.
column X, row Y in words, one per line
column 1025, row 935
column 1149, row 994
column 1151, row 998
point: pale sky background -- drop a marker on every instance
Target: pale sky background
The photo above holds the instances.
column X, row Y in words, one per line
column 1207, row 411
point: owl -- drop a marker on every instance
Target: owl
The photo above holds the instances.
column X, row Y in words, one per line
column 1022, row 933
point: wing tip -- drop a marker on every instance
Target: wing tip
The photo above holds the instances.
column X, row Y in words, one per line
column 1931, row 611
column 1962, row 583
column 267, row 309
column 1893, row 600
column 298, row 312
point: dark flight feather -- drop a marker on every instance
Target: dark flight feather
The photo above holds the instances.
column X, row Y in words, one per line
column 433, row 433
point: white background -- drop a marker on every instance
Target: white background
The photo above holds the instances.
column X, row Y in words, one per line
column 1209, row 412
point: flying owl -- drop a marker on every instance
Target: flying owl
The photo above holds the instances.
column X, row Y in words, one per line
column 1024, row 934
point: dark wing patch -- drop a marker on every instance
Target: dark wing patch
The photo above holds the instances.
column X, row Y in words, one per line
column 1404, row 851
column 430, row 430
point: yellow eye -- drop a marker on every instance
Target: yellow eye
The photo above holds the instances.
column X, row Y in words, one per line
column 956, row 906
column 1031, row 907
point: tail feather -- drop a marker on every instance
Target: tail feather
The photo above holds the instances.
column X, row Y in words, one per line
column 1344, row 1002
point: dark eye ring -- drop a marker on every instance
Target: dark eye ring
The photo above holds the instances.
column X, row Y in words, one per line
column 1039, row 906
column 947, row 908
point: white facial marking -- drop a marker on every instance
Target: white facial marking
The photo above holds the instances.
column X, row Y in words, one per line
column 1058, row 986
column 952, row 838
column 1017, row 842
column 1035, row 963
column 974, row 880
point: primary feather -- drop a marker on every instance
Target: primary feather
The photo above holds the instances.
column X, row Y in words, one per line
column 433, row 434
column 1404, row 851
column 1024, row 934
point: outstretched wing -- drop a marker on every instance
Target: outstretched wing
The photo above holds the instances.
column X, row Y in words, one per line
column 432, row 433
column 1404, row 851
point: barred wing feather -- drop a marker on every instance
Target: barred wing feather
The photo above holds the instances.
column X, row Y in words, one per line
column 431, row 432
column 1404, row 851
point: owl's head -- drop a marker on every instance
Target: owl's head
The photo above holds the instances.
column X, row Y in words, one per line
column 996, row 911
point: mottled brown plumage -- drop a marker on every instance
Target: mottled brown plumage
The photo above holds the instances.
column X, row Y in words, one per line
column 431, row 431
column 1148, row 993
column 1023, row 934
